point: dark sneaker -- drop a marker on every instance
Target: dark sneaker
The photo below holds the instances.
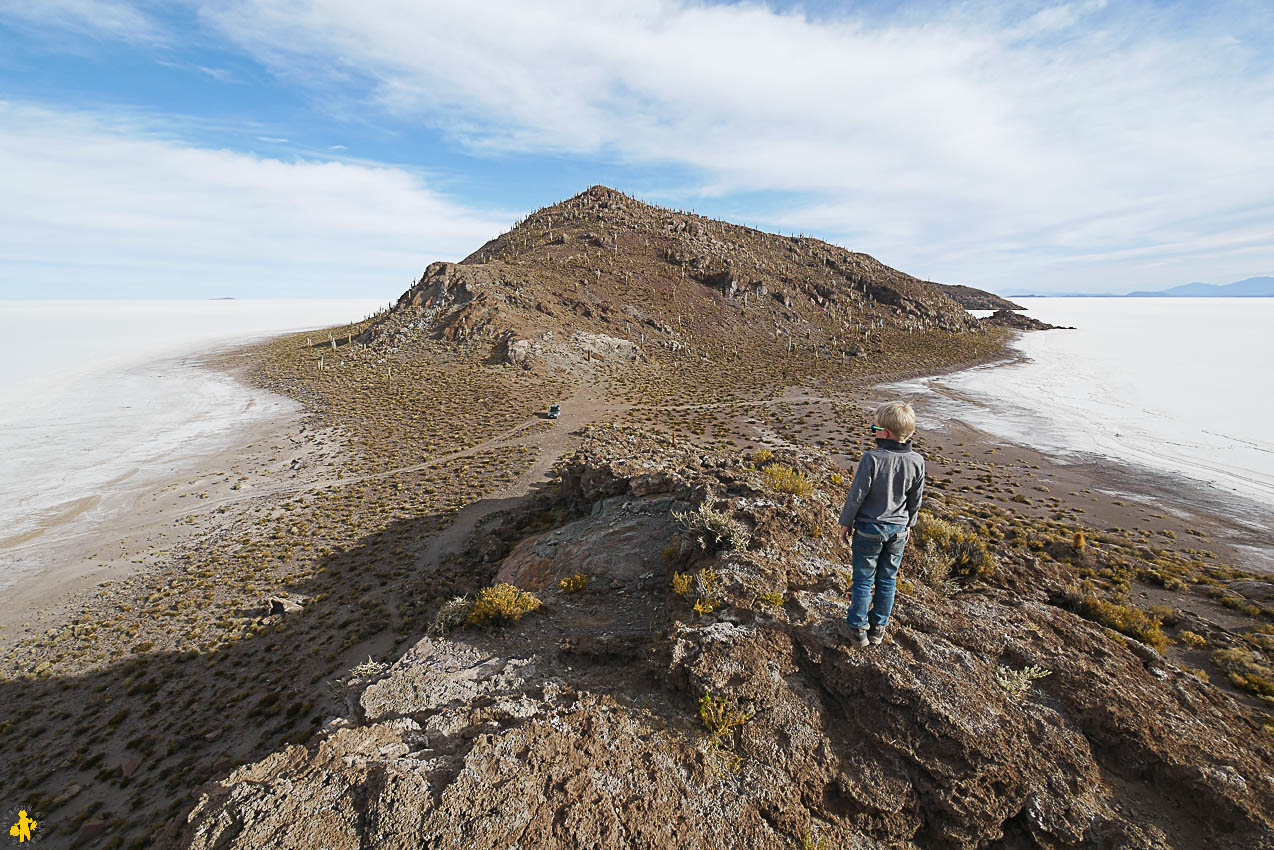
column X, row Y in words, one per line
column 849, row 633
column 875, row 635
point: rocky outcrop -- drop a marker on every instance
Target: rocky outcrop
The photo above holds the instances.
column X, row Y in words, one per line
column 977, row 299
column 548, row 351
column 450, row 302
column 1009, row 319
column 579, row 726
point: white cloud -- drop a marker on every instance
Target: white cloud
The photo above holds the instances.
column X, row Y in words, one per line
column 95, row 211
column 114, row 19
column 955, row 147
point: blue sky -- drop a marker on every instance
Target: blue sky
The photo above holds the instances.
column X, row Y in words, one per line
column 323, row 148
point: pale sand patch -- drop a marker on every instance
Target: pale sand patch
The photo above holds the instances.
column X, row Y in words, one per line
column 61, row 570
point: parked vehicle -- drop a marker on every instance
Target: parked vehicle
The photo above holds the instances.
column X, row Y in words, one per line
column 554, row 411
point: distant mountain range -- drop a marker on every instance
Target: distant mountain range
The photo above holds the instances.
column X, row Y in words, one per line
column 1252, row 287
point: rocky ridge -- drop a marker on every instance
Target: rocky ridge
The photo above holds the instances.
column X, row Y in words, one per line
column 658, row 281
column 580, row 726
column 1008, row 319
column 977, row 299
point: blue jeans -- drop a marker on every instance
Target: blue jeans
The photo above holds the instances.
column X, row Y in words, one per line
column 877, row 548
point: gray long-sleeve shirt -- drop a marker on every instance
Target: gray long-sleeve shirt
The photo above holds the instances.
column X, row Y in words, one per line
column 888, row 486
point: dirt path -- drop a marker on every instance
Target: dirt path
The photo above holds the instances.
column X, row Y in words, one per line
column 586, row 405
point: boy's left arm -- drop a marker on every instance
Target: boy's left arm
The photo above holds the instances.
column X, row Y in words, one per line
column 915, row 496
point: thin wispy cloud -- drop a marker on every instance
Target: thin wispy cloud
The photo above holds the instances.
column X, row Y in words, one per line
column 107, row 19
column 221, row 75
column 1081, row 132
column 93, row 210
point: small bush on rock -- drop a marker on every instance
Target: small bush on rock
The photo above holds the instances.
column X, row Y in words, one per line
column 1018, row 682
column 1125, row 618
column 1246, row 670
column 681, row 583
column 451, row 615
column 760, row 457
column 502, row 603
column 966, row 553
column 934, row 569
column 721, row 716
column 573, row 583
column 1192, row 639
column 367, row 669
column 784, row 479
column 713, row 529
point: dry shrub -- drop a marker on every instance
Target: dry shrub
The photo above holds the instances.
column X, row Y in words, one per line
column 934, row 569
column 713, row 529
column 502, row 603
column 1126, row 619
column 785, row 479
column 1018, row 682
column 965, row 552
column 573, row 583
column 1246, row 670
column 451, row 615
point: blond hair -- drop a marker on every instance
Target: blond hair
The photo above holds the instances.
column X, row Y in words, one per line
column 899, row 418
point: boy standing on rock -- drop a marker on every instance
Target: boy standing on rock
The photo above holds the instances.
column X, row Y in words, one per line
column 883, row 503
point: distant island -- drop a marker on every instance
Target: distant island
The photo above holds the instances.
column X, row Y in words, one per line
column 1252, row 287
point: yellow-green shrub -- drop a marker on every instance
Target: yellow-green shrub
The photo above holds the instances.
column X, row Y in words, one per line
column 681, row 583
column 502, row 603
column 720, row 716
column 784, row 479
column 1246, row 670
column 771, row 597
column 966, row 552
column 760, row 457
column 1124, row 618
column 1189, row 638
column 573, row 583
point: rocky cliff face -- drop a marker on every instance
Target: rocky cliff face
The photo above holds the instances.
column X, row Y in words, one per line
column 585, row 723
column 660, row 280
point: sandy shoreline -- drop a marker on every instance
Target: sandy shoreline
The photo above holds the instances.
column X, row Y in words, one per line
column 207, row 491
